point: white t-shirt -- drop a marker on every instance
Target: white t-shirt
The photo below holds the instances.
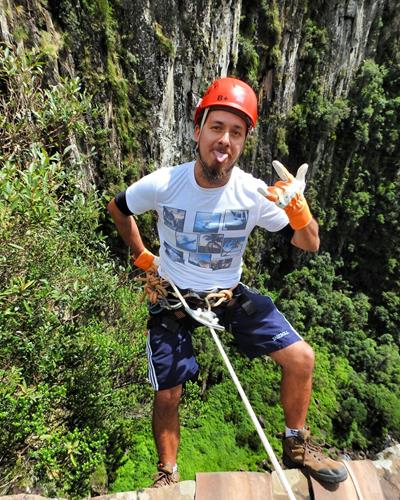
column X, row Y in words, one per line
column 203, row 231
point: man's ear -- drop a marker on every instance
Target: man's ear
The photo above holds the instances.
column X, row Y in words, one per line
column 196, row 133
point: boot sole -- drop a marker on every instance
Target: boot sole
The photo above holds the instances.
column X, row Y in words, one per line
column 315, row 474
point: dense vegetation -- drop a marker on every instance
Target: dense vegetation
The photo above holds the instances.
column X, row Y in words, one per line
column 74, row 400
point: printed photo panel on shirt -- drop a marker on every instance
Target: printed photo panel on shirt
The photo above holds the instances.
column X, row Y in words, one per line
column 174, row 218
column 173, row 253
column 207, row 222
column 232, row 246
column 200, row 260
column 220, row 264
column 210, row 243
column 235, row 220
column 186, row 241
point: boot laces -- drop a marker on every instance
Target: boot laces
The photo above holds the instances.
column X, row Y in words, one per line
column 313, row 449
column 163, row 478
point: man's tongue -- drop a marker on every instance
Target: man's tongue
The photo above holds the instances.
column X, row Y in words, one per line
column 220, row 157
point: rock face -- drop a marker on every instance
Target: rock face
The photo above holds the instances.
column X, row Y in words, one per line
column 348, row 34
column 388, row 466
column 181, row 46
column 169, row 51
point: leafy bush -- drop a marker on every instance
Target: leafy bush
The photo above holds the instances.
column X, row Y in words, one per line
column 71, row 323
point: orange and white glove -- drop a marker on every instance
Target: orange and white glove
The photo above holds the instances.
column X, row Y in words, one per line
column 146, row 261
column 288, row 194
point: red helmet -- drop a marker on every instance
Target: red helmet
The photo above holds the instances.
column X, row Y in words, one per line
column 230, row 93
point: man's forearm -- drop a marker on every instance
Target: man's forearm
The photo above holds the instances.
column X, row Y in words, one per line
column 307, row 239
column 127, row 228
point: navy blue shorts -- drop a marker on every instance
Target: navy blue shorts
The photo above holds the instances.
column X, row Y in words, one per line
column 258, row 330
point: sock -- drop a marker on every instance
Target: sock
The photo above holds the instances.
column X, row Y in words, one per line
column 174, row 467
column 291, row 432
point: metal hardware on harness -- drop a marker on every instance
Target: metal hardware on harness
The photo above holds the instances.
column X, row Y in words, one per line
column 207, row 318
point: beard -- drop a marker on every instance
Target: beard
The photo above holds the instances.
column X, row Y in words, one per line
column 215, row 173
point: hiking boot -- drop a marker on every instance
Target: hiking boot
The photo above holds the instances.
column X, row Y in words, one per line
column 165, row 476
column 300, row 453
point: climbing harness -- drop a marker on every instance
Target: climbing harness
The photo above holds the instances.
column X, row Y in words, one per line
column 210, row 319
column 156, row 290
column 207, row 318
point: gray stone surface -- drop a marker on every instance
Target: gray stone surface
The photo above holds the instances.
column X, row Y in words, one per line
column 297, row 481
column 185, row 490
column 388, row 467
column 24, row 496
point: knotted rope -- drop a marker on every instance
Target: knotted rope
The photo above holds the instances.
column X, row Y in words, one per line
column 218, row 298
column 156, row 288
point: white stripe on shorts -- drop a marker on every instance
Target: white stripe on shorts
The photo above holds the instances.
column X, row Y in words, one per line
column 151, row 370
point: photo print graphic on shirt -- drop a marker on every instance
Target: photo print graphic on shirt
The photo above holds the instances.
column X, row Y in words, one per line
column 207, row 222
column 174, row 218
column 221, row 264
column 186, row 241
column 210, row 243
column 235, row 220
column 200, row 260
column 173, row 253
column 232, row 246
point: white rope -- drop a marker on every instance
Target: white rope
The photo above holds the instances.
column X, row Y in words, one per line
column 205, row 318
column 354, row 479
column 253, row 417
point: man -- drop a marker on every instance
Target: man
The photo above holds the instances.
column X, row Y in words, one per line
column 206, row 211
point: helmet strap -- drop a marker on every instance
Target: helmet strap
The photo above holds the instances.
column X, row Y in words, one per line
column 203, row 120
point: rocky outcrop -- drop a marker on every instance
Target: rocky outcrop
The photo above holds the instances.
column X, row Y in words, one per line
column 388, row 467
column 343, row 34
column 170, row 50
column 378, row 480
column 181, row 46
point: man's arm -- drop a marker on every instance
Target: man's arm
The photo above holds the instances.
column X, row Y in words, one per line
column 307, row 238
column 127, row 228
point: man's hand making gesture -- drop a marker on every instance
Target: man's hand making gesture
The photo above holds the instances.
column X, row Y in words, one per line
column 287, row 193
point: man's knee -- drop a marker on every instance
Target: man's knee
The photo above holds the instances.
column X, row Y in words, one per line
column 168, row 398
column 298, row 357
column 306, row 357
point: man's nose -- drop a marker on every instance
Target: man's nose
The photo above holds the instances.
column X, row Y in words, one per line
column 224, row 138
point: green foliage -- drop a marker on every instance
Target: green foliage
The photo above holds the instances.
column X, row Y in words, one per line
column 351, row 366
column 372, row 108
column 280, row 141
column 259, row 41
column 136, row 466
column 320, row 113
column 109, row 70
column 165, row 42
column 32, row 113
column 314, row 46
column 249, row 59
column 71, row 329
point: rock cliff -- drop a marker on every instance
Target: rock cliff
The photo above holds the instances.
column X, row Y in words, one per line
column 149, row 60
